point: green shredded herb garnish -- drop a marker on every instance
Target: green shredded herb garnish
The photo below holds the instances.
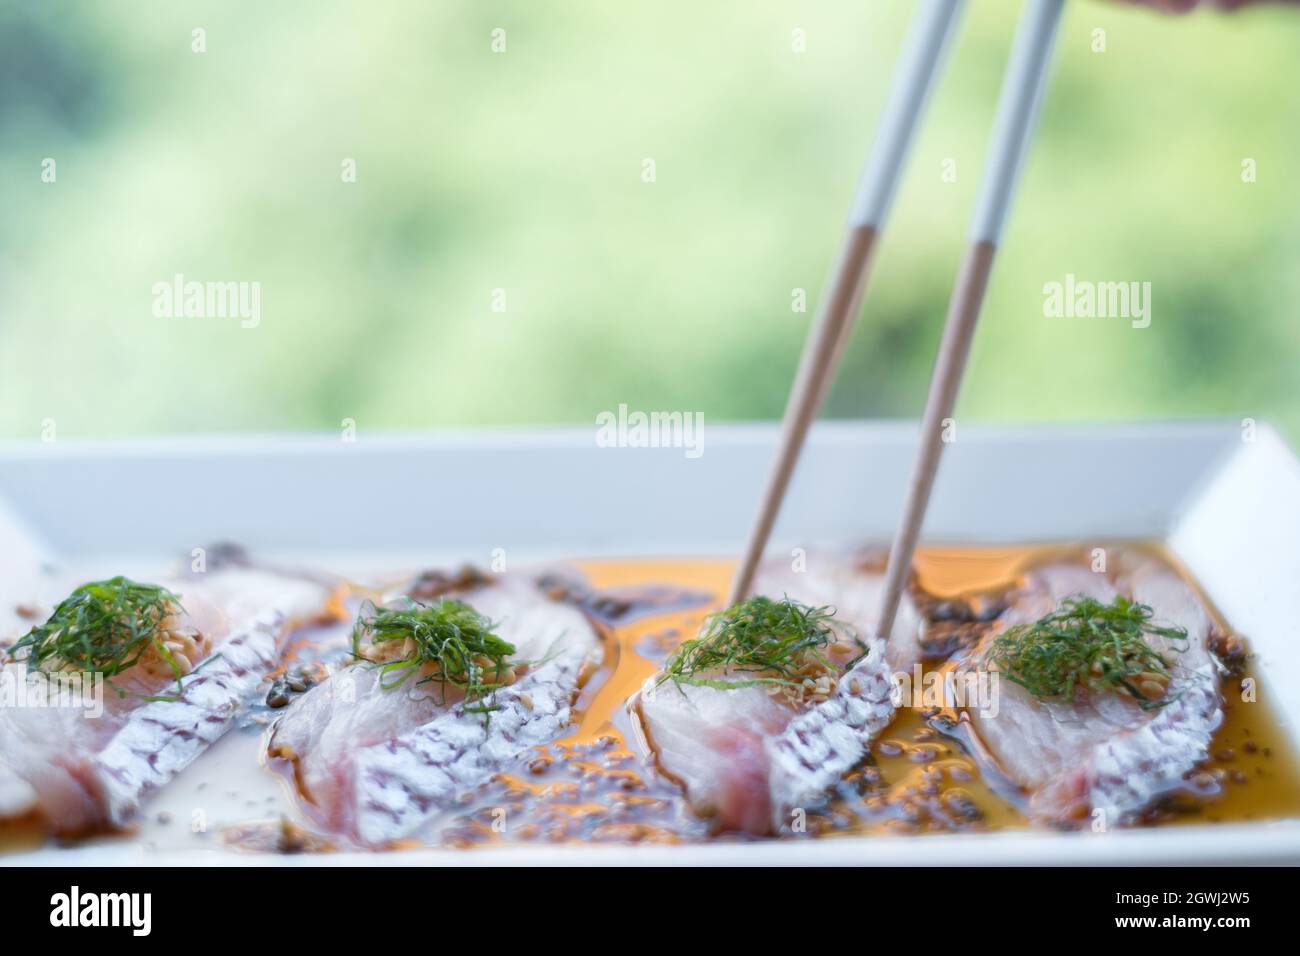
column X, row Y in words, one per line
column 449, row 636
column 1090, row 645
column 777, row 641
column 103, row 627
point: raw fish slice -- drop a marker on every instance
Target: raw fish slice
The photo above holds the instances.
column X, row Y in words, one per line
column 747, row 758
column 379, row 763
column 17, row 796
column 82, row 773
column 1103, row 751
column 1033, row 741
column 1124, row 774
column 402, row 783
column 714, row 743
column 821, row 744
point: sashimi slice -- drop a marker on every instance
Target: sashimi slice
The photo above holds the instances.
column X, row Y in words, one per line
column 377, row 763
column 1102, row 756
column 80, row 772
column 748, row 758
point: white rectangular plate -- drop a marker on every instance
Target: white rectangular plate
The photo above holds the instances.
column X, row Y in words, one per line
column 1228, row 507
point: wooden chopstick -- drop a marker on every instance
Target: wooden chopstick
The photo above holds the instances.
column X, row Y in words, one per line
column 1018, row 107
column 918, row 66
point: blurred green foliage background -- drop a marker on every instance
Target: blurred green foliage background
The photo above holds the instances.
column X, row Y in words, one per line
column 522, row 171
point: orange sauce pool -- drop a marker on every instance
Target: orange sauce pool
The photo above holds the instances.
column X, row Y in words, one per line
column 595, row 784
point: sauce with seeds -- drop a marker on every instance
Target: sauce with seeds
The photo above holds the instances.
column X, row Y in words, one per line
column 596, row 785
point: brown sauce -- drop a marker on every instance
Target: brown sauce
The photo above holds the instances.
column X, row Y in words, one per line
column 595, row 785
